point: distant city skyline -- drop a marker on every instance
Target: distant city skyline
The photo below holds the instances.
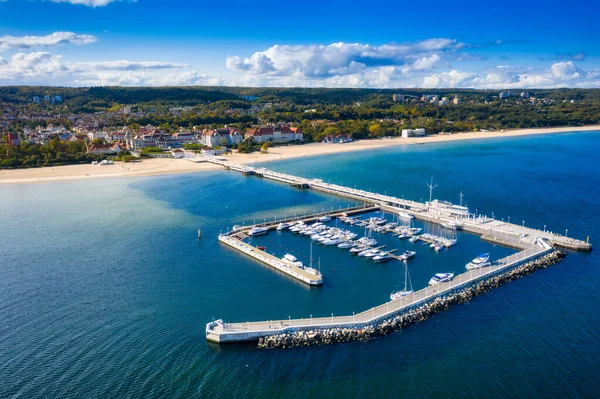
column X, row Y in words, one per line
column 373, row 44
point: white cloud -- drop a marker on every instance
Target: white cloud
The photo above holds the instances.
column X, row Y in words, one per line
column 313, row 61
column 47, row 68
column 447, row 79
column 560, row 74
column 122, row 65
column 426, row 62
column 89, row 3
column 51, row 40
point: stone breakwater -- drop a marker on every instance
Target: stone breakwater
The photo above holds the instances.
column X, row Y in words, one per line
column 406, row 319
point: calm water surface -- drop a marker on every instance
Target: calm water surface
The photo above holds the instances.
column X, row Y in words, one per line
column 105, row 290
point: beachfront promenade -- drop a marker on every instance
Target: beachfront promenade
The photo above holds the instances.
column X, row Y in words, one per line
column 493, row 230
column 222, row 332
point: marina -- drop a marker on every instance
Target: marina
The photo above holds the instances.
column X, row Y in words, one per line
column 221, row 332
column 449, row 217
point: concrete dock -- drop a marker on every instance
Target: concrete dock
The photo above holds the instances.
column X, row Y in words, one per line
column 500, row 232
column 222, row 332
column 282, row 265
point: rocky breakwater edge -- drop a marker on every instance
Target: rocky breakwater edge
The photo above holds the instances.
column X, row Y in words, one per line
column 406, row 319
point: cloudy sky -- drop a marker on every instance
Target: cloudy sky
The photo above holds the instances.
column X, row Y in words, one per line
column 326, row 43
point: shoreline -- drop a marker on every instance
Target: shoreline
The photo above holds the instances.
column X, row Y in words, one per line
column 162, row 166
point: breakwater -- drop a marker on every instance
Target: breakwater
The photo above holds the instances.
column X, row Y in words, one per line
column 421, row 313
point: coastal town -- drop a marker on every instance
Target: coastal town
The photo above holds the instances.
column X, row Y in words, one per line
column 56, row 127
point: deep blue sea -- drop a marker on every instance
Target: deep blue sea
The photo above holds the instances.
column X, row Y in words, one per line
column 105, row 289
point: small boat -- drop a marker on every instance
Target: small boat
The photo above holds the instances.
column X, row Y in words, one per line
column 382, row 257
column 325, row 218
column 407, row 255
column 405, row 292
column 450, row 226
column 368, row 251
column 403, row 235
column 374, row 253
column 441, row 278
column 261, row 247
column 256, row 231
column 480, row 261
column 357, row 249
column 332, row 241
column 290, row 257
column 347, row 244
column 438, row 247
column 413, row 239
column 406, row 215
column 283, row 226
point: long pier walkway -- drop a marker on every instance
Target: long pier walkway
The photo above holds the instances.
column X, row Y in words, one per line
column 500, row 232
column 221, row 332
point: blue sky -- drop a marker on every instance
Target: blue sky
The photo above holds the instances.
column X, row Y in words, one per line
column 348, row 43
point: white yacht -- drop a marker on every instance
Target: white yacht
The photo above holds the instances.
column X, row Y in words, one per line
column 283, row 226
column 256, row 231
column 325, row 218
column 332, row 241
column 368, row 253
column 480, row 261
column 357, row 249
column 290, row 257
column 401, row 294
column 441, row 278
column 406, row 215
column 382, row 257
column 407, row 255
column 450, row 226
column 347, row 244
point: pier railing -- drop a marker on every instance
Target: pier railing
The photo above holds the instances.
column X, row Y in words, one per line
column 251, row 330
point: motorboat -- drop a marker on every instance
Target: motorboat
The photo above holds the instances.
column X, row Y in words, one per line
column 406, row 215
column 325, row 218
column 407, row 255
column 438, row 247
column 374, row 253
column 368, row 253
column 450, row 226
column 256, row 231
column 332, row 241
column 290, row 257
column 381, row 257
column 357, row 249
column 346, row 244
column 283, row 226
column 413, row 239
column 480, row 261
column 441, row 278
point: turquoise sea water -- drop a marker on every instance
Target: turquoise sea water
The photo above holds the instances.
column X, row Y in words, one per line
column 105, row 290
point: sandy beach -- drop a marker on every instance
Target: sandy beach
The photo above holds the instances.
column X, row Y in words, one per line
column 160, row 166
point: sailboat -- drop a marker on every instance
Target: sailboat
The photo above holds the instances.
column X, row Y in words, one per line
column 401, row 294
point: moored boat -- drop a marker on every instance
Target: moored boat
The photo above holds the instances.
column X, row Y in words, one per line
column 256, row 231
column 441, row 278
column 480, row 261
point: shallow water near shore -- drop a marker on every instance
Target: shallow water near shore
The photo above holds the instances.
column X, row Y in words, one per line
column 106, row 290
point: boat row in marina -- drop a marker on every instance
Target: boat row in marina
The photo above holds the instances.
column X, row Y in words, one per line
column 435, row 242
